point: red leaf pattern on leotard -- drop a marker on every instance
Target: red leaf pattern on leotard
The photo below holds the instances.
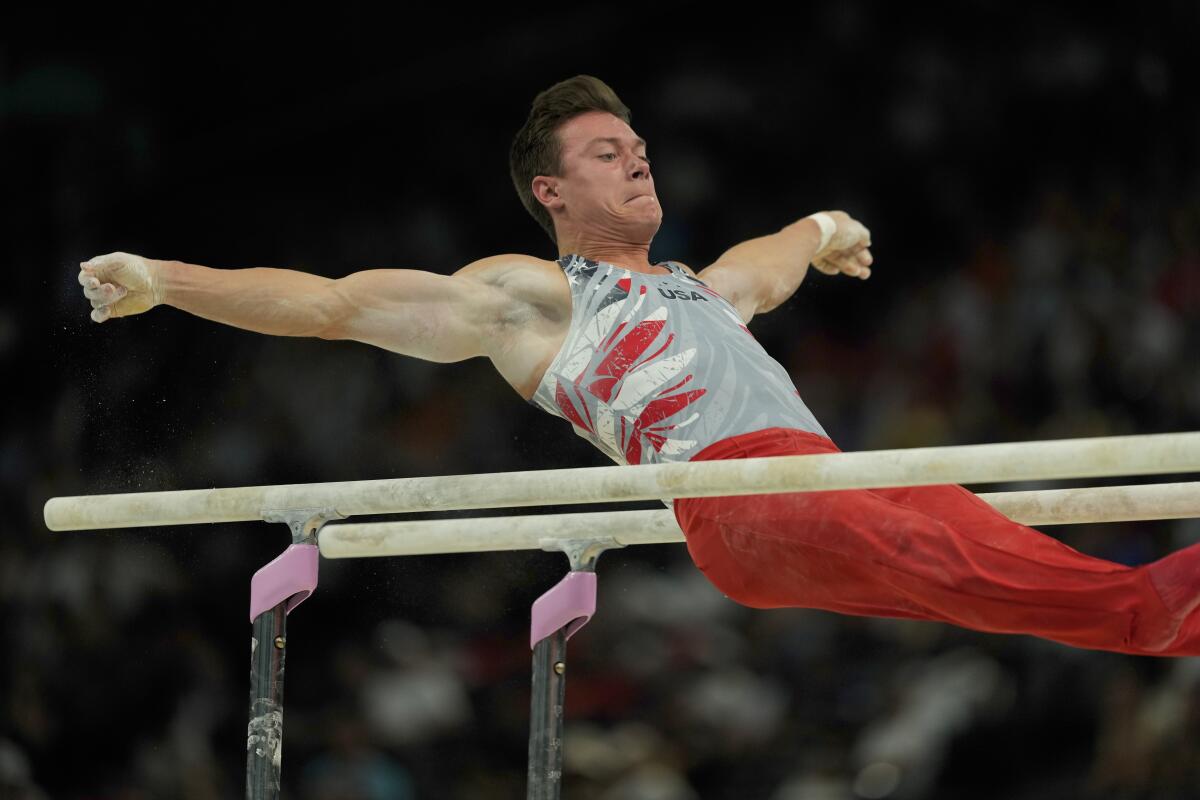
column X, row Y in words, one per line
column 625, row 376
column 647, row 379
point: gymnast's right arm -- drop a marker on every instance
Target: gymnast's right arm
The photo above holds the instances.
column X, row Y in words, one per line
column 426, row 315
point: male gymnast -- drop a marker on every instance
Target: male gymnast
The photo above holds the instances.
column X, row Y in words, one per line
column 654, row 363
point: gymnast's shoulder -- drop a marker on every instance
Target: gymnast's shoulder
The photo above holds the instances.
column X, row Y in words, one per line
column 537, row 281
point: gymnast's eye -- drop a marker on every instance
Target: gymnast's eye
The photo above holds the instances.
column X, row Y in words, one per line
column 602, row 155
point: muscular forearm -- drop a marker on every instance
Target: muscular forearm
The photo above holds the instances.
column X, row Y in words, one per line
column 280, row 302
column 789, row 252
column 805, row 236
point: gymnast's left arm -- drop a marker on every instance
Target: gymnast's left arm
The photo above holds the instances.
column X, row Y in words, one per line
column 759, row 274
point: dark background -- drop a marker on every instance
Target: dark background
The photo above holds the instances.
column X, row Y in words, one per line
column 1030, row 178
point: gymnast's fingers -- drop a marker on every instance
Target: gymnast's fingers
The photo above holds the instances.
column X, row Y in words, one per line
column 851, row 263
column 90, row 284
column 104, row 292
column 824, row 266
column 95, row 291
column 854, row 269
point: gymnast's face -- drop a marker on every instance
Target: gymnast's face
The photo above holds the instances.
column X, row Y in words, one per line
column 606, row 185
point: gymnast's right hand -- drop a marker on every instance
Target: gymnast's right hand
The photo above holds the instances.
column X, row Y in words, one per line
column 121, row 284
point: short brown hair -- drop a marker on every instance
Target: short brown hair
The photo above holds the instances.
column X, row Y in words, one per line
column 537, row 149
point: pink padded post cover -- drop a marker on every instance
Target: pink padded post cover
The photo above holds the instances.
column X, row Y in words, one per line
column 292, row 576
column 571, row 603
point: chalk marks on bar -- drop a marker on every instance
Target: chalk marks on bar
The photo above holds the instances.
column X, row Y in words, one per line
column 1148, row 454
column 531, row 532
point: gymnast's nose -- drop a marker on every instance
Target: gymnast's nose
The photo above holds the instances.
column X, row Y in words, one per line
column 639, row 168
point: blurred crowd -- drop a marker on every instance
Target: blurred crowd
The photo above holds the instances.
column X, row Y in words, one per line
column 1035, row 209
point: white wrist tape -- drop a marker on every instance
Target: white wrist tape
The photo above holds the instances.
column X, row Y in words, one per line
column 828, row 227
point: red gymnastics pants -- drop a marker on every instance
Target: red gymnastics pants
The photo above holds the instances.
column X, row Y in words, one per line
column 930, row 553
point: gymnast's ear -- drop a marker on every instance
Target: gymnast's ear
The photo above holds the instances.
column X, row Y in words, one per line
column 545, row 191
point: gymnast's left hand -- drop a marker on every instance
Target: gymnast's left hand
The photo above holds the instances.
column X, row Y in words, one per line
column 848, row 251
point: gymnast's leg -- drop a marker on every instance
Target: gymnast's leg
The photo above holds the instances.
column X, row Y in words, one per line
column 936, row 553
